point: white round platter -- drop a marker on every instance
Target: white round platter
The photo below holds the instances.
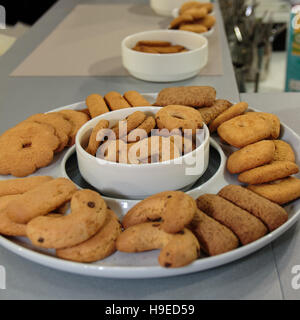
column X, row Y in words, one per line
column 145, row 265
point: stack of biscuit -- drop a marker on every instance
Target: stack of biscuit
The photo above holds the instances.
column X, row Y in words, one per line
column 144, row 132
column 194, row 16
column 158, row 46
column 35, row 207
column 33, row 143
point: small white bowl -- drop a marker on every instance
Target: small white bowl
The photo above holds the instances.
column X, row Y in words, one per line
column 165, row 7
column 165, row 67
column 137, row 181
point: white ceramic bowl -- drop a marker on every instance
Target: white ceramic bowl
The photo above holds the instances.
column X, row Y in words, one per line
column 165, row 7
column 165, row 67
column 137, row 181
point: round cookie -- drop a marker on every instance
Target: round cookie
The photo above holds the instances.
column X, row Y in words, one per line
column 175, row 23
column 175, row 208
column 244, row 129
column 208, row 21
column 272, row 118
column 251, row 156
column 99, row 246
column 197, row 13
column 26, row 148
column 77, row 119
column 177, row 250
column 228, row 114
column 88, row 215
column 268, row 172
column 280, row 191
column 283, row 151
column 179, row 117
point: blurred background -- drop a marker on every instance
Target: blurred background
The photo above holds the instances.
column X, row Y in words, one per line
column 257, row 31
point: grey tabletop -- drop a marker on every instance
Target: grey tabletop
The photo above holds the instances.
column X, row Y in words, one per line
column 262, row 275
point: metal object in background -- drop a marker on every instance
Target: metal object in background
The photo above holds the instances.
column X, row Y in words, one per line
column 250, row 39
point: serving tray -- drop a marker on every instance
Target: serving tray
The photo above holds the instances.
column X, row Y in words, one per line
column 145, row 265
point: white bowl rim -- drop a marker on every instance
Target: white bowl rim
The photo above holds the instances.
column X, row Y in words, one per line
column 80, row 149
column 189, row 52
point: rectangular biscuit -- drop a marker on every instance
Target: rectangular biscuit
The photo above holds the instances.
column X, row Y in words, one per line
column 135, row 99
column 115, row 101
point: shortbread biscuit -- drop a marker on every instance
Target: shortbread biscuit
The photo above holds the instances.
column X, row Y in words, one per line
column 177, row 250
column 7, row 226
column 274, row 120
column 41, row 200
column 175, row 208
column 88, row 215
column 245, row 226
column 251, row 156
column 179, row 117
column 26, row 148
column 280, row 191
column 135, row 99
column 271, row 214
column 175, row 23
column 243, row 130
column 233, row 111
column 193, row 27
column 189, row 5
column 21, row 185
column 194, row 96
column 97, row 136
column 214, row 238
column 99, row 246
column 115, row 101
column 154, row 43
column 77, row 120
column 269, row 172
column 210, row 113
column 283, row 151
column 96, row 105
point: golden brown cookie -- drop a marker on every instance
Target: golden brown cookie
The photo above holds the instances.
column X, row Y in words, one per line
column 153, row 43
column 233, row 111
column 175, row 208
column 243, row 130
column 7, row 226
column 77, row 119
column 41, row 200
column 280, row 191
column 177, row 250
column 179, row 117
column 175, row 23
column 272, row 118
column 271, row 214
column 189, row 5
column 142, row 131
column 194, row 96
column 135, row 99
column 197, row 13
column 245, row 226
column 96, row 105
column 283, row 151
column 115, row 101
column 96, row 136
column 214, row 238
column 210, row 113
column 21, row 185
column 269, row 172
column 251, row 156
column 123, row 127
column 208, row 21
column 193, row 27
column 152, row 149
column 99, row 246
column 88, row 215
column 26, row 148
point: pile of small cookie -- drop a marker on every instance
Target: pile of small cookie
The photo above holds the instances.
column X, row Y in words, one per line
column 35, row 207
column 194, row 16
column 158, row 46
column 32, row 143
column 145, row 139
column 180, row 226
